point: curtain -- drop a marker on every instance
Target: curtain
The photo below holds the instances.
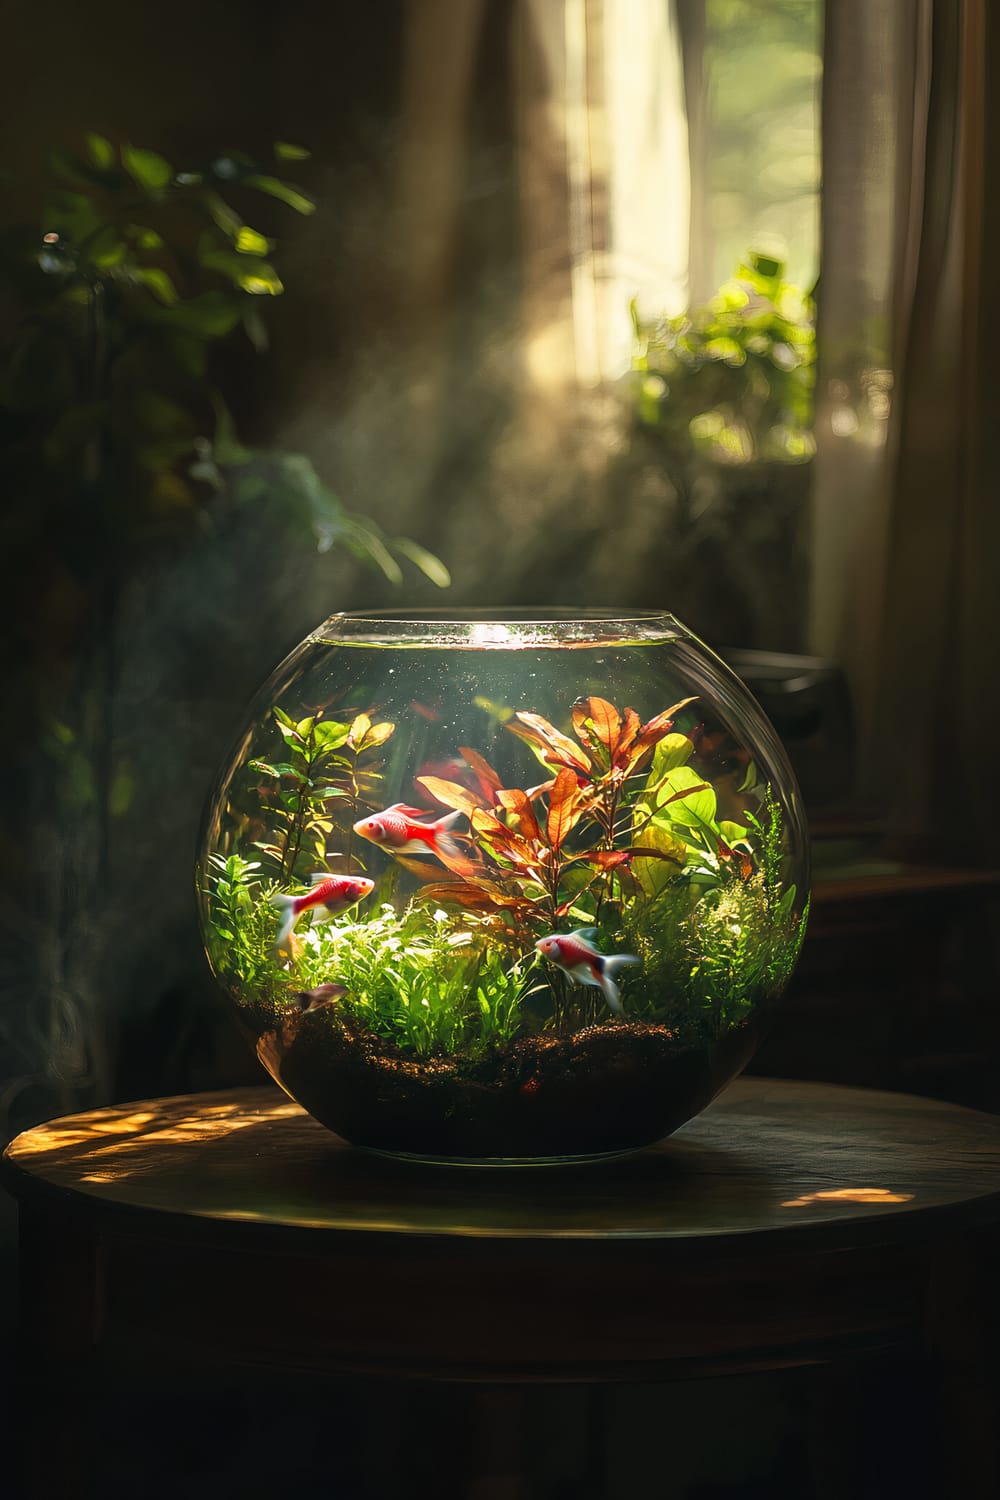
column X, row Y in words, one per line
column 904, row 520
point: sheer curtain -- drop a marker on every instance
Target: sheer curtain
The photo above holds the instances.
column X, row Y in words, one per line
column 600, row 81
column 902, row 591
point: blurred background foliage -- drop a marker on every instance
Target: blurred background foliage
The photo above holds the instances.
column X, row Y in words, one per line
column 129, row 311
column 732, row 381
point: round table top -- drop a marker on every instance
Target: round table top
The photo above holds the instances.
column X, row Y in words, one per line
column 768, row 1158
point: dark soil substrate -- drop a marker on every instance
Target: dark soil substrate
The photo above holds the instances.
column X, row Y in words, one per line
column 611, row 1087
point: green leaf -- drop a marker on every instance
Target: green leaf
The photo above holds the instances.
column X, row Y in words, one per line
column 432, row 567
column 358, row 730
column 685, row 798
column 100, row 151
column 377, row 735
column 211, row 315
column 286, row 151
column 143, row 237
column 653, row 875
column 226, row 446
column 275, row 188
column 750, row 779
column 262, row 281
column 227, row 219
column 672, row 751
column 146, row 168
column 249, row 272
column 365, row 543
column 158, row 282
column 250, row 242
column 264, row 768
column 73, row 215
column 106, row 249
column 291, row 736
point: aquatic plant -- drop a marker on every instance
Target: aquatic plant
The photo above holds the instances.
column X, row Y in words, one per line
column 627, row 837
column 240, row 927
column 535, row 868
column 419, row 979
column 710, row 957
column 624, row 838
column 318, row 784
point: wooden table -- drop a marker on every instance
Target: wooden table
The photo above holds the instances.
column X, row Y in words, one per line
column 789, row 1224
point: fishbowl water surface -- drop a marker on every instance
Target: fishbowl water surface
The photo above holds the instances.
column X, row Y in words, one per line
column 505, row 887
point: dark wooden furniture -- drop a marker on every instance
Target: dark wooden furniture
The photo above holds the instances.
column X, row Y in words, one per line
column 789, row 1224
column 897, row 984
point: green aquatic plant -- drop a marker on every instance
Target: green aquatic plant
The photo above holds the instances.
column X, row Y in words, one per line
column 624, row 838
column 627, row 839
column 710, row 957
column 319, row 784
column 721, row 936
column 420, row 979
column 240, row 927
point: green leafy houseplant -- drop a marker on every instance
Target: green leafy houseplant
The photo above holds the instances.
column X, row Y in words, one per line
column 131, row 291
column 719, row 407
column 732, row 382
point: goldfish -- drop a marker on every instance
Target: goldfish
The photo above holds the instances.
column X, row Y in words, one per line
column 582, row 963
column 396, row 830
column 330, row 895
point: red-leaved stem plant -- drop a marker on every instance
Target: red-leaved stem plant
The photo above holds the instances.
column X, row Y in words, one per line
column 535, row 854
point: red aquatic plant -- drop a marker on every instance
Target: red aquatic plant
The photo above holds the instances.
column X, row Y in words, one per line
column 535, row 854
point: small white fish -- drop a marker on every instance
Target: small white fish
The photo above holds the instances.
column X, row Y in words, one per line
column 582, row 963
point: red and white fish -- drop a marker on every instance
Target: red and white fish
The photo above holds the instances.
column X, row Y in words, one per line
column 330, row 895
column 397, row 831
column 582, row 963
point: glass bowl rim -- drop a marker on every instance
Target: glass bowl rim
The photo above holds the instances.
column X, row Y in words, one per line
column 499, row 626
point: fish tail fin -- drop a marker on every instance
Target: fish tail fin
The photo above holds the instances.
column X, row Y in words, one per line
column 610, row 992
column 608, row 987
column 285, row 904
column 442, row 839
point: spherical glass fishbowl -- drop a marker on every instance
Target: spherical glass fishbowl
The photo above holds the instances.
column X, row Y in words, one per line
column 508, row 887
